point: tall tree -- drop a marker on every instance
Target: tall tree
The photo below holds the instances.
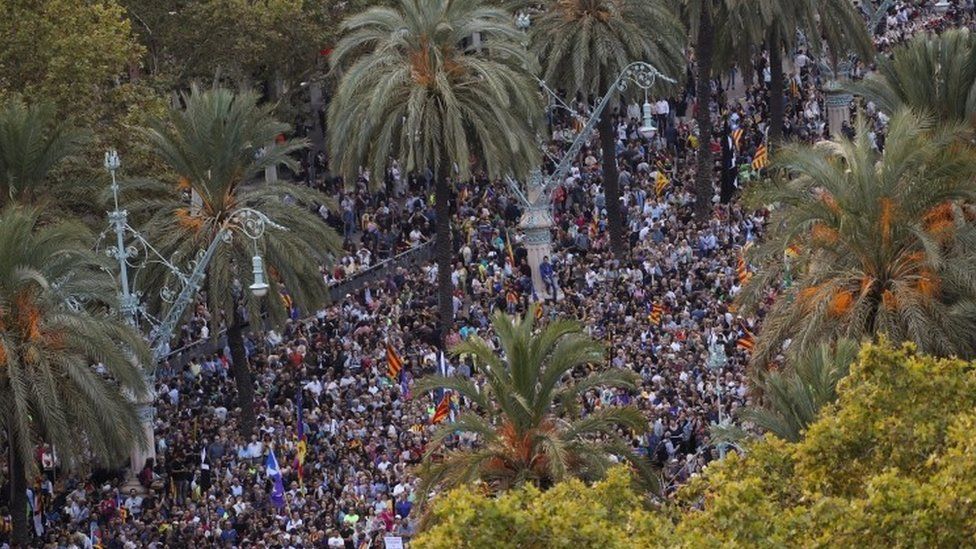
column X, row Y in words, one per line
column 700, row 17
column 832, row 27
column 410, row 89
column 66, row 364
column 934, row 73
column 881, row 242
column 527, row 415
column 585, row 44
column 217, row 144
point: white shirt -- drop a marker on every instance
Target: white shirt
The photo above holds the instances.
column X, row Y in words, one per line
column 134, row 504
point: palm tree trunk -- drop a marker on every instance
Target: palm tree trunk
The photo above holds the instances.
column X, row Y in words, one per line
column 242, row 374
column 444, row 248
column 619, row 244
column 20, row 537
column 776, row 112
column 703, row 116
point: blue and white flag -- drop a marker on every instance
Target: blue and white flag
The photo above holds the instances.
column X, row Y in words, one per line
column 442, row 366
column 274, row 473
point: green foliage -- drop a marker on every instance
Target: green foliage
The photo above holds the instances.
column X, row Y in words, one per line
column 793, row 397
column 54, row 327
column 133, row 105
column 891, row 464
column 34, row 143
column 527, row 420
column 68, row 52
column 607, row 514
column 243, row 40
column 212, row 146
column 932, row 73
column 409, row 90
column 71, row 60
column 584, row 44
column 879, row 242
column 834, row 26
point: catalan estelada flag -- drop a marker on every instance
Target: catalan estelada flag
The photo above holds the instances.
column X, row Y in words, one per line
column 746, row 342
column 394, row 364
column 761, row 159
column 443, row 409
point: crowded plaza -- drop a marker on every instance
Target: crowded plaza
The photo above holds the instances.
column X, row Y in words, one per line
column 333, row 452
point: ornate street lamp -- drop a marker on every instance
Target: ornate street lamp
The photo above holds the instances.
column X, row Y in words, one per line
column 140, row 252
column 647, row 128
column 536, row 199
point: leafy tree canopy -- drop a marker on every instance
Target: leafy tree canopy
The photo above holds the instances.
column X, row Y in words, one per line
column 69, row 52
column 572, row 514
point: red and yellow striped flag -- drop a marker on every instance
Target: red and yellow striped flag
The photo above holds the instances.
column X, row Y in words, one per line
column 508, row 246
column 657, row 312
column 737, row 138
column 393, row 362
column 761, row 159
column 742, row 270
column 443, row 409
column 746, row 342
column 661, row 183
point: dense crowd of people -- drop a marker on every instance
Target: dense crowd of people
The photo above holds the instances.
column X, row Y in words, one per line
column 661, row 312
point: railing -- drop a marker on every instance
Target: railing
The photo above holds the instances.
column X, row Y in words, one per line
column 418, row 254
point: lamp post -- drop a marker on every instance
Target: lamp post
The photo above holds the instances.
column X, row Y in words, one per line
column 647, row 128
column 536, row 201
column 716, row 363
column 118, row 219
column 245, row 221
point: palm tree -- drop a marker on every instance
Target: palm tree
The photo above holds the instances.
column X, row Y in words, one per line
column 709, row 27
column 876, row 242
column 832, row 26
column 411, row 89
column 528, row 420
column 585, row 44
column 33, row 143
column 217, row 144
column 932, row 73
column 66, row 363
column 792, row 398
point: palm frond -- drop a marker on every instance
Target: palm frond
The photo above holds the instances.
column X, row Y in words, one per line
column 66, row 366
